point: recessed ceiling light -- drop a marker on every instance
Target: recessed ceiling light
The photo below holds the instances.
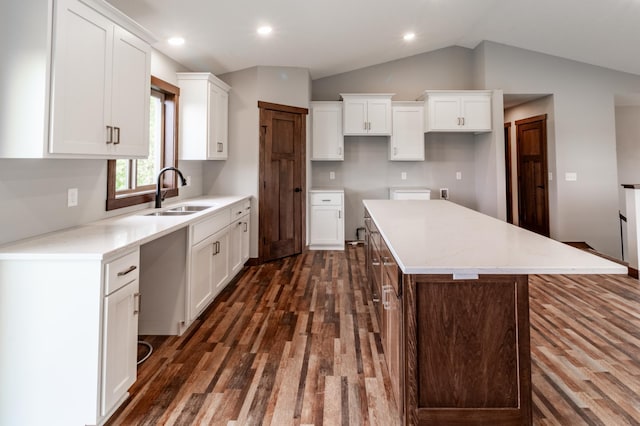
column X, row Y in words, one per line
column 409, row 36
column 265, row 30
column 176, row 41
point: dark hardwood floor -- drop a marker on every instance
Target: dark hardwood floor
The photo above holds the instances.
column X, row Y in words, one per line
column 295, row 342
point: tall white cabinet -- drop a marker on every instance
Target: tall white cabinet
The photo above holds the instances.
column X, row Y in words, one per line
column 84, row 92
column 326, row 221
column 204, row 110
column 327, row 141
column 407, row 141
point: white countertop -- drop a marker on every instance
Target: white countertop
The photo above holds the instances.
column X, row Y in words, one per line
column 107, row 237
column 440, row 237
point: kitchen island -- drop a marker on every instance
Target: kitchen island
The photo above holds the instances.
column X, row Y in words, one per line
column 450, row 287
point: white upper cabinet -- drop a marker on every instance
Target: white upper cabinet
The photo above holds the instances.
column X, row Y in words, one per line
column 367, row 114
column 204, row 109
column 327, row 140
column 407, row 140
column 97, row 101
column 462, row 111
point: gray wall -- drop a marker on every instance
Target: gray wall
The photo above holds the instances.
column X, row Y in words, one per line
column 34, row 192
column 239, row 174
column 628, row 143
column 366, row 171
column 587, row 209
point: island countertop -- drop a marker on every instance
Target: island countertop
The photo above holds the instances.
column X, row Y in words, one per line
column 440, row 237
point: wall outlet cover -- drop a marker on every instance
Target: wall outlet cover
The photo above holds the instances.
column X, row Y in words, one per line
column 72, row 197
column 458, row 175
column 403, row 175
column 332, row 175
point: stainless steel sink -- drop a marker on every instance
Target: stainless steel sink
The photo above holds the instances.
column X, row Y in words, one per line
column 189, row 208
column 171, row 213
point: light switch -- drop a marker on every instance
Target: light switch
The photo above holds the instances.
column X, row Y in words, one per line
column 403, row 175
column 458, row 175
column 332, row 175
column 570, row 176
column 550, row 176
column 72, row 197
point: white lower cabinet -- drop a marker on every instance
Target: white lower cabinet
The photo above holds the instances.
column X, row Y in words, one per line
column 119, row 330
column 120, row 345
column 326, row 221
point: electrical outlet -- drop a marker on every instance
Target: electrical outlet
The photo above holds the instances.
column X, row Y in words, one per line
column 444, row 193
column 458, row 175
column 332, row 175
column 72, row 197
column 403, row 175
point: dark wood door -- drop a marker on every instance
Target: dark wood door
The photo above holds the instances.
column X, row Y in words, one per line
column 533, row 193
column 282, row 166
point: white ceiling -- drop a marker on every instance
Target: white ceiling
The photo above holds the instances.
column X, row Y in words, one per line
column 333, row 36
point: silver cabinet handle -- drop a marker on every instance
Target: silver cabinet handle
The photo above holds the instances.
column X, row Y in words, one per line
column 117, row 135
column 246, row 227
column 136, row 303
column 339, row 150
column 326, row 201
column 109, row 134
column 463, row 121
column 339, row 214
column 127, row 271
column 395, row 151
column 365, row 125
column 375, row 262
column 386, row 290
column 216, row 248
column 220, row 146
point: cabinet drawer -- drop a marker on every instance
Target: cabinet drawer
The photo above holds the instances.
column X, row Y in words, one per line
column 240, row 209
column 121, row 271
column 210, row 225
column 326, row 199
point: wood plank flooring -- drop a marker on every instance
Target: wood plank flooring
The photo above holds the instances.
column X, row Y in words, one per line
column 295, row 342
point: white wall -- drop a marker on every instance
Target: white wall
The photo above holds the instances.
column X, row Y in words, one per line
column 34, row 191
column 239, row 174
column 628, row 144
column 587, row 209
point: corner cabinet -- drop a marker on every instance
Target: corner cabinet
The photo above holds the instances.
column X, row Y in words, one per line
column 92, row 98
column 326, row 219
column 463, row 111
column 327, row 141
column 407, row 140
column 204, row 117
column 367, row 114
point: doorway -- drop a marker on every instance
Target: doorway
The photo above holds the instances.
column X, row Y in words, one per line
column 508, row 171
column 282, row 176
column 533, row 191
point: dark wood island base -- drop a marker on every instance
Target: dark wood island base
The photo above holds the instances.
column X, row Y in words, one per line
column 467, row 354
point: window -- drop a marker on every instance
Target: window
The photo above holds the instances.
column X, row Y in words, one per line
column 131, row 182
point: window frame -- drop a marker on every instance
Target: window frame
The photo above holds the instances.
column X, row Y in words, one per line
column 127, row 198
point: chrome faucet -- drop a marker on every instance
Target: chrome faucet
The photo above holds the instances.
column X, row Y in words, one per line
column 159, row 196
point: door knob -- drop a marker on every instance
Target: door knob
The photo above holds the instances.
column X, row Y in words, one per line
column 298, row 190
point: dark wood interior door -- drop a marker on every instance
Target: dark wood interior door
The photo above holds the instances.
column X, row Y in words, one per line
column 533, row 192
column 282, row 166
column 507, row 170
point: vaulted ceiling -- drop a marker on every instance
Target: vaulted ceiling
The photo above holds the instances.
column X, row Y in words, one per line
column 333, row 36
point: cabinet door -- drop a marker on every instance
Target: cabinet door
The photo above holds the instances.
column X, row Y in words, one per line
column 444, row 113
column 392, row 338
column 246, row 232
column 201, row 277
column 220, row 257
column 476, row 111
column 379, row 116
column 235, row 246
column 120, row 344
column 355, row 117
column 81, row 80
column 130, row 95
column 326, row 132
column 218, row 123
column 327, row 225
column 407, row 140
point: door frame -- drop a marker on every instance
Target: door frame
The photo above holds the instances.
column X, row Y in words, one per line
column 303, row 173
column 508, row 171
column 545, row 167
